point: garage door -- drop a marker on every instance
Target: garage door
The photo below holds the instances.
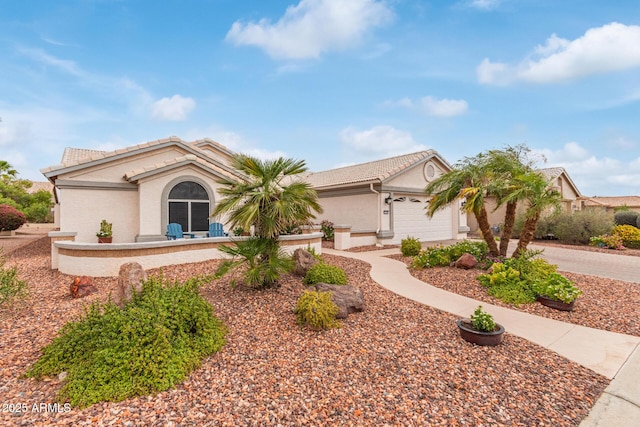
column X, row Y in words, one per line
column 410, row 219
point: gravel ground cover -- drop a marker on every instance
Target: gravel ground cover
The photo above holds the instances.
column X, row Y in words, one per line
column 398, row 364
column 607, row 304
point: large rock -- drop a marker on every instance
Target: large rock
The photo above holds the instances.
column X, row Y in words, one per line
column 82, row 286
column 466, row 261
column 130, row 280
column 304, row 260
column 349, row 299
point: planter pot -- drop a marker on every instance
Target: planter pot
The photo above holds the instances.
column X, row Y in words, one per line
column 105, row 239
column 480, row 338
column 554, row 303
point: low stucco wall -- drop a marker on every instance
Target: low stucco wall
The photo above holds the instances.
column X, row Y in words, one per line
column 104, row 260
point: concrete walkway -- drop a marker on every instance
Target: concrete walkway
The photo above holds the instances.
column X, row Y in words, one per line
column 614, row 355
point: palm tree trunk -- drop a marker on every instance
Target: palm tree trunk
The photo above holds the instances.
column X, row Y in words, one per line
column 527, row 234
column 485, row 228
column 509, row 220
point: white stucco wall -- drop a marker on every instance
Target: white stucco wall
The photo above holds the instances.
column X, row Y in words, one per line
column 82, row 210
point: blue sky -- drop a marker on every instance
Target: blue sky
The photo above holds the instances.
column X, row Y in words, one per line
column 332, row 82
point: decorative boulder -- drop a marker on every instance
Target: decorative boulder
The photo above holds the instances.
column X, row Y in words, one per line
column 349, row 299
column 303, row 260
column 466, row 261
column 130, row 280
column 82, row 286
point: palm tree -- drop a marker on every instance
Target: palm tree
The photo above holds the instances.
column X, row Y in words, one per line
column 470, row 179
column 534, row 189
column 270, row 197
column 504, row 166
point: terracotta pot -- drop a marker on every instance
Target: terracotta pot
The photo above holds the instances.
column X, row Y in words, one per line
column 105, row 239
column 557, row 304
column 477, row 337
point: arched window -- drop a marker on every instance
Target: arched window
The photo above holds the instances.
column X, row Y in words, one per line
column 189, row 206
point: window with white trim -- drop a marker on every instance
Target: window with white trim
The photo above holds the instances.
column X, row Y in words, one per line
column 189, row 206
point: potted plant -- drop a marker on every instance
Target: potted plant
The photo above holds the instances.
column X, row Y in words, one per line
column 480, row 329
column 105, row 235
column 556, row 291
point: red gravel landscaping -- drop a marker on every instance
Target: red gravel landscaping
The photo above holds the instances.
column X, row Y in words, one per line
column 398, row 363
column 607, row 304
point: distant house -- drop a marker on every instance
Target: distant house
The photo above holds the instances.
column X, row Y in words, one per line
column 558, row 179
column 141, row 189
column 385, row 199
column 612, row 204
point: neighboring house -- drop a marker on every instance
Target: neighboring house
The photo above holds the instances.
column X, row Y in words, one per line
column 612, row 204
column 385, row 200
column 558, row 179
column 141, row 189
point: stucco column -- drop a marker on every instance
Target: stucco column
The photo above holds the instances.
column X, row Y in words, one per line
column 341, row 237
column 57, row 236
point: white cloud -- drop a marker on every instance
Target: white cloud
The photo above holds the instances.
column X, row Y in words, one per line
column 595, row 175
column 485, row 4
column 312, row 27
column 235, row 142
column 175, row 108
column 612, row 47
column 379, row 141
column 432, row 106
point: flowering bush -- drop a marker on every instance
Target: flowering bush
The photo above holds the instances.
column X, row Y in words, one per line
column 630, row 235
column 11, row 218
column 607, row 241
column 327, row 230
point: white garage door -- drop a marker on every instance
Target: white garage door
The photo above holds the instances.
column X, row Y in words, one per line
column 410, row 219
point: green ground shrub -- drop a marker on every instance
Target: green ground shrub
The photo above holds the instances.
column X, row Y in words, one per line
column 626, row 218
column 317, row 310
column 630, row 235
column 607, row 241
column 410, row 246
column 578, row 227
column 11, row 287
column 440, row 256
column 325, row 273
column 149, row 345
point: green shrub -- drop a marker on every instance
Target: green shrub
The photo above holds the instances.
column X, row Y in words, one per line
column 626, row 218
column 638, row 222
column 558, row 287
column 580, row 226
column 630, row 235
column 317, row 310
column 439, row 256
column 11, row 218
column 506, row 284
column 149, row 345
column 435, row 256
column 325, row 273
column 482, row 321
column 328, row 231
column 607, row 241
column 258, row 261
column 11, row 287
column 410, row 246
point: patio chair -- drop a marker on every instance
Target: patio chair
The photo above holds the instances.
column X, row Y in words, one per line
column 216, row 230
column 174, row 231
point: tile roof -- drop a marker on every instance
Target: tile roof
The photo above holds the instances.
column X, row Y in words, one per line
column 613, row 201
column 170, row 164
column 78, row 156
column 378, row 170
column 40, row 185
column 553, row 173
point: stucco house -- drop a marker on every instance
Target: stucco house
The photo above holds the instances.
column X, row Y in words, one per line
column 559, row 180
column 140, row 189
column 612, row 203
column 384, row 202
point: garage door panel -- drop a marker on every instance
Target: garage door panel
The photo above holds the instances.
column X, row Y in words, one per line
column 410, row 219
